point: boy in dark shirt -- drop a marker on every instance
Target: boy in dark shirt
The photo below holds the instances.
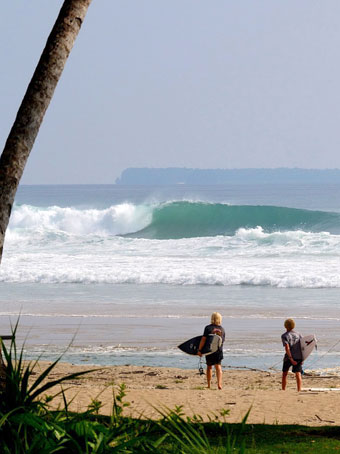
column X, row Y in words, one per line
column 215, row 358
column 293, row 356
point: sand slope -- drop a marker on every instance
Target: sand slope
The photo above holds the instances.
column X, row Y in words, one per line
column 260, row 391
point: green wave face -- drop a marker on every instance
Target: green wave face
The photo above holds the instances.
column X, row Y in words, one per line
column 196, row 219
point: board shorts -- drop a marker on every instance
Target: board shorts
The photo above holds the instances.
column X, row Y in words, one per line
column 287, row 364
column 214, row 358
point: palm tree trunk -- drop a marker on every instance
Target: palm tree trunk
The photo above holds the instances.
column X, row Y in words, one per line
column 34, row 105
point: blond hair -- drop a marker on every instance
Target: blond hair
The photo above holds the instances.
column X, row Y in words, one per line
column 216, row 318
column 289, row 324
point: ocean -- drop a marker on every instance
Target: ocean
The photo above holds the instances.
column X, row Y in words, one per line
column 112, row 274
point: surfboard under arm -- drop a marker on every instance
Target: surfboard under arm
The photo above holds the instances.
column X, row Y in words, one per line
column 212, row 344
column 308, row 343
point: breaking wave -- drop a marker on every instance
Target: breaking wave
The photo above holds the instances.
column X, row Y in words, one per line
column 115, row 220
column 188, row 219
column 171, row 220
column 173, row 243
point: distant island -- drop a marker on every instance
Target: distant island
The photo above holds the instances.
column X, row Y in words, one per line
column 178, row 175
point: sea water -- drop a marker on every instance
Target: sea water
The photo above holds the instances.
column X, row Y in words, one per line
column 113, row 274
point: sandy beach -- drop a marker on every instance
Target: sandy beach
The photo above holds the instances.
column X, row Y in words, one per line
column 149, row 387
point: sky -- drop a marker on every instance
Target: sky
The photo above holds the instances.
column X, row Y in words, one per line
column 180, row 83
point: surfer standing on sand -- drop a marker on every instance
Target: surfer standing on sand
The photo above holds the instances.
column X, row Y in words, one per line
column 293, row 357
column 215, row 358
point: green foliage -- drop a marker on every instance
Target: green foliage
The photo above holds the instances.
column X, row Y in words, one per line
column 190, row 436
column 26, row 424
column 118, row 404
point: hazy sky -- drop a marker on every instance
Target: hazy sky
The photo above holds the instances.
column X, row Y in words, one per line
column 194, row 83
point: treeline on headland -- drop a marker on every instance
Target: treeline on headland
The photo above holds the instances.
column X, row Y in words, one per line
column 178, row 175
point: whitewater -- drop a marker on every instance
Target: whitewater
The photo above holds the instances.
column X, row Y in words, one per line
column 177, row 242
column 104, row 261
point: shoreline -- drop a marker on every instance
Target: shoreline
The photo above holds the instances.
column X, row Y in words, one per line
column 148, row 388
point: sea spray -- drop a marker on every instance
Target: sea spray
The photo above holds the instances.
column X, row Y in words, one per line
column 115, row 220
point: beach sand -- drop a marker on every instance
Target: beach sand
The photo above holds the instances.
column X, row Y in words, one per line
column 148, row 387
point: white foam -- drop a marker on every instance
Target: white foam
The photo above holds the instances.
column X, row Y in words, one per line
column 116, row 220
column 68, row 245
column 110, row 268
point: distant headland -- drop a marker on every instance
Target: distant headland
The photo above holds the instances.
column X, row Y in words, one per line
column 178, row 175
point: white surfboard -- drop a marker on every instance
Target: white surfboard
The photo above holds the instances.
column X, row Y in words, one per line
column 308, row 343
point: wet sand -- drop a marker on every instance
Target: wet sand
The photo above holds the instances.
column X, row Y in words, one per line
column 148, row 388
